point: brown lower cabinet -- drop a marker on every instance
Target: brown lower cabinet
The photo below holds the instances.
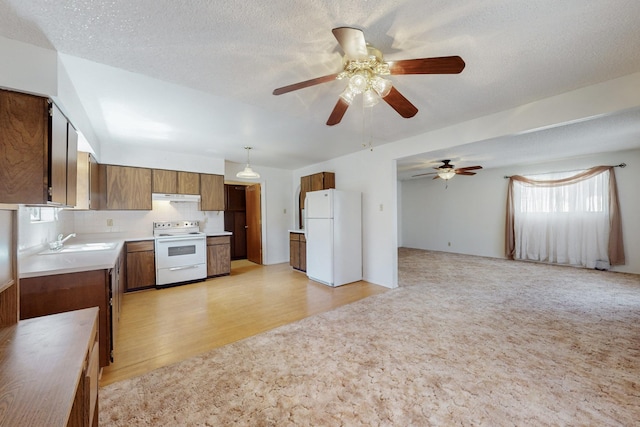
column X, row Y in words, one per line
column 58, row 293
column 218, row 255
column 49, row 370
column 298, row 251
column 141, row 265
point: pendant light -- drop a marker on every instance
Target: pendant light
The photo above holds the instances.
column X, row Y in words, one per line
column 248, row 173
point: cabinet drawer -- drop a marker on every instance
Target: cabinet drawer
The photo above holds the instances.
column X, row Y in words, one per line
column 302, row 238
column 218, row 240
column 145, row 245
column 294, row 236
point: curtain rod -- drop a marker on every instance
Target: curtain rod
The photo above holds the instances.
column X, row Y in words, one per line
column 621, row 165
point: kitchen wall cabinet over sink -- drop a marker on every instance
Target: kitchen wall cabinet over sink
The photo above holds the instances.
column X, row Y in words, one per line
column 141, row 265
column 125, row 188
column 38, row 151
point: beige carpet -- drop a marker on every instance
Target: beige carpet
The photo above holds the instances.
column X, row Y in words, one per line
column 464, row 341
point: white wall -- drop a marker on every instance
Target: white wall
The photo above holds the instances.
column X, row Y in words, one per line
column 28, row 68
column 153, row 158
column 277, row 212
column 373, row 172
column 470, row 213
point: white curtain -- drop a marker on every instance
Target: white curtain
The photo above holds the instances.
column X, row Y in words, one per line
column 567, row 224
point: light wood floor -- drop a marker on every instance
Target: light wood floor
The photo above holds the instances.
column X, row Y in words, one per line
column 161, row 327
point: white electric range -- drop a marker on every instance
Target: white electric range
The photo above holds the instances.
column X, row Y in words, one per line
column 181, row 252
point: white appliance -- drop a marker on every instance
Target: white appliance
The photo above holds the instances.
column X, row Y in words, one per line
column 333, row 229
column 181, row 252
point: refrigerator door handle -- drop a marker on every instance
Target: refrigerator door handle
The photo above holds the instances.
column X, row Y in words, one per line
column 306, row 209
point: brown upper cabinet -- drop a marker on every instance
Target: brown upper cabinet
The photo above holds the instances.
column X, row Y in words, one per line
column 38, row 151
column 175, row 182
column 165, row 181
column 188, row 183
column 316, row 182
column 211, row 192
column 125, row 188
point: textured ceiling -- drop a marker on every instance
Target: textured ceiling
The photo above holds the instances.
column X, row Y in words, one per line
column 198, row 75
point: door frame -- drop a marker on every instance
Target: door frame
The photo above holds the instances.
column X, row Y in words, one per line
column 262, row 213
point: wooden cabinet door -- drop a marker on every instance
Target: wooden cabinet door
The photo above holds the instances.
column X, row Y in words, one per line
column 24, row 137
column 305, row 186
column 94, row 184
column 211, row 192
column 127, row 188
column 72, row 165
column 294, row 250
column 188, row 183
column 165, row 181
column 58, row 157
column 141, row 270
column 59, row 293
column 218, row 256
column 303, row 253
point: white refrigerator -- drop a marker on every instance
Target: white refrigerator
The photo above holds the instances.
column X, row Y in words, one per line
column 333, row 229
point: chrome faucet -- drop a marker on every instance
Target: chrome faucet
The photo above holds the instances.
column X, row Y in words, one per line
column 59, row 243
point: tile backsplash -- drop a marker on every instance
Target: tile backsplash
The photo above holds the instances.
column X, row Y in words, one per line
column 124, row 223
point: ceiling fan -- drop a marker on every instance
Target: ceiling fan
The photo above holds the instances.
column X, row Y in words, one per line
column 447, row 171
column 363, row 66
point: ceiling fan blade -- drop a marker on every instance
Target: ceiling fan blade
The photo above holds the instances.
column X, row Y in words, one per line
column 439, row 65
column 338, row 112
column 401, row 104
column 465, row 173
column 423, row 174
column 436, row 177
column 305, row 83
column 352, row 42
column 469, row 168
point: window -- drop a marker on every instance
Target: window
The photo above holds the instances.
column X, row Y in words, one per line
column 568, row 218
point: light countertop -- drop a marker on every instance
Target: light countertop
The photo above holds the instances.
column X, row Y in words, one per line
column 217, row 233
column 72, row 262
column 34, row 265
column 299, row 231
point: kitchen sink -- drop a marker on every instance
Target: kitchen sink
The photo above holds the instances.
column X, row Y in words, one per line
column 86, row 247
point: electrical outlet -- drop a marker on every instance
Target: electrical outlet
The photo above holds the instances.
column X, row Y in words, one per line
column 449, row 244
column 381, row 207
column 109, row 222
column 284, row 211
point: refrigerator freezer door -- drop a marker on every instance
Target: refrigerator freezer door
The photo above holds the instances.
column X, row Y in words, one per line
column 320, row 250
column 319, row 204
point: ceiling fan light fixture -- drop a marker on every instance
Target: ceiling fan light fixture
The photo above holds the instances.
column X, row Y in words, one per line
column 247, row 172
column 381, row 86
column 348, row 95
column 358, row 83
column 370, row 98
column 446, row 173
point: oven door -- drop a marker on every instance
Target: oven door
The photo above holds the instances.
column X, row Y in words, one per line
column 180, row 259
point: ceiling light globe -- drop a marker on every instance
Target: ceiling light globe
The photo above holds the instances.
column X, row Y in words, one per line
column 348, row 95
column 370, row 98
column 358, row 83
column 381, row 86
column 446, row 173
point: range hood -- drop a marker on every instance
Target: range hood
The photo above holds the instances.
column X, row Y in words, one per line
column 176, row 197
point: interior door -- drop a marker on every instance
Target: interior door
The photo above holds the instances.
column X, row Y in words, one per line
column 254, row 224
